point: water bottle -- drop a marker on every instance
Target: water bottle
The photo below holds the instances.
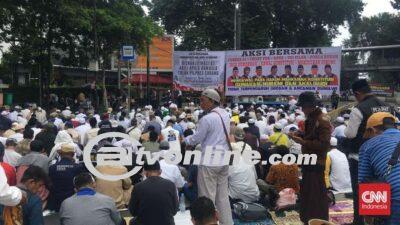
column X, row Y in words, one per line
column 182, row 206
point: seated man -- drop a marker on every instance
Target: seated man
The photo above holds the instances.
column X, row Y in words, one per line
column 203, row 212
column 242, row 176
column 61, row 175
column 32, row 180
column 87, row 207
column 153, row 195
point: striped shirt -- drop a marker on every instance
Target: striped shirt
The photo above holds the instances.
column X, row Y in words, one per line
column 374, row 156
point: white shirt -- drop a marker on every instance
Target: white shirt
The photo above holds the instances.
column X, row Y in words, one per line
column 135, row 133
column 288, row 127
column 340, row 172
column 210, row 134
column 270, row 129
column 82, row 129
column 171, row 172
column 172, row 136
column 11, row 157
column 13, row 116
column 242, row 125
column 35, row 131
column 166, row 118
column 284, row 122
column 339, row 131
column 292, row 102
column 356, row 118
column 262, row 126
column 242, row 181
column 9, row 196
column 17, row 136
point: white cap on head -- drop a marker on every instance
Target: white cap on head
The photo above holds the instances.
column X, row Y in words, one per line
column 251, row 121
column 182, row 116
column 334, row 141
column 191, row 125
column 280, row 110
column 340, row 119
column 211, row 94
column 240, row 106
column 299, row 119
column 173, row 106
column 81, row 120
column 324, row 111
column 346, row 116
column 278, row 126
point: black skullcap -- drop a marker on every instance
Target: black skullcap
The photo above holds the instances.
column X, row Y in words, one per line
column 361, row 85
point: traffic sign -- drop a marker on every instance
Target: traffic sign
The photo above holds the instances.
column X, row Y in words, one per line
column 128, row 53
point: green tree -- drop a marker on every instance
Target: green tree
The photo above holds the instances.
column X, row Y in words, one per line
column 208, row 24
column 71, row 32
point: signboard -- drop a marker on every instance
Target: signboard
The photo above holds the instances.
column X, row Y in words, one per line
column 196, row 71
column 382, row 89
column 282, row 71
column 161, row 53
column 128, row 53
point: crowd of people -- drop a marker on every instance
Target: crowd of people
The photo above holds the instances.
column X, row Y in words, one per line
column 42, row 169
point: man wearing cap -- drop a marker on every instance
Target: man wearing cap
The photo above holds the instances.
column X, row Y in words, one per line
column 258, row 72
column 314, row 72
column 300, row 72
column 279, row 138
column 242, row 176
column 288, row 72
column 314, row 140
column 253, row 129
column 274, row 72
column 61, row 175
column 375, row 155
column 337, row 170
column 234, row 76
column 367, row 105
column 212, row 133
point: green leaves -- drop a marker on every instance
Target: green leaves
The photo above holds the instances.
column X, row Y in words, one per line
column 207, row 24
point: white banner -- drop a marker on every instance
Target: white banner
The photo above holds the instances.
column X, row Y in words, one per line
column 198, row 70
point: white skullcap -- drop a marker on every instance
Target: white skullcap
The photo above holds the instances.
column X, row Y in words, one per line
column 251, row 121
column 240, row 106
column 334, row 141
column 340, row 119
column 191, row 125
column 173, row 106
column 278, row 126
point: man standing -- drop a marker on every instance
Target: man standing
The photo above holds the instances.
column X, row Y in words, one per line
column 375, row 155
column 334, row 99
column 212, row 132
column 367, row 105
column 315, row 140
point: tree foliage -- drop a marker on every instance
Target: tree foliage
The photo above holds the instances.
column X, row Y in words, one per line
column 209, row 24
column 41, row 32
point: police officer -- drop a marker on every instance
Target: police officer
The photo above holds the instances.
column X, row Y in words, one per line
column 367, row 105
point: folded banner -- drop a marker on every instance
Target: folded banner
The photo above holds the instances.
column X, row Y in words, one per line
column 196, row 71
column 282, row 71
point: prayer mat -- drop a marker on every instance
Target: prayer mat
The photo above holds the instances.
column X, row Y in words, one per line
column 287, row 218
column 341, row 212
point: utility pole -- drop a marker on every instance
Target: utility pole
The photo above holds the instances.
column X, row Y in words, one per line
column 148, row 72
column 239, row 26
column 235, row 27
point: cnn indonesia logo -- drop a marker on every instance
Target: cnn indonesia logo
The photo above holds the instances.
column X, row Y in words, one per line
column 374, row 199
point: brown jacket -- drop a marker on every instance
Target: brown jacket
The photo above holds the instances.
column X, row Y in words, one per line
column 317, row 136
column 118, row 190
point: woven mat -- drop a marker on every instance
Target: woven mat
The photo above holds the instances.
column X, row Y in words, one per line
column 290, row 218
column 341, row 212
